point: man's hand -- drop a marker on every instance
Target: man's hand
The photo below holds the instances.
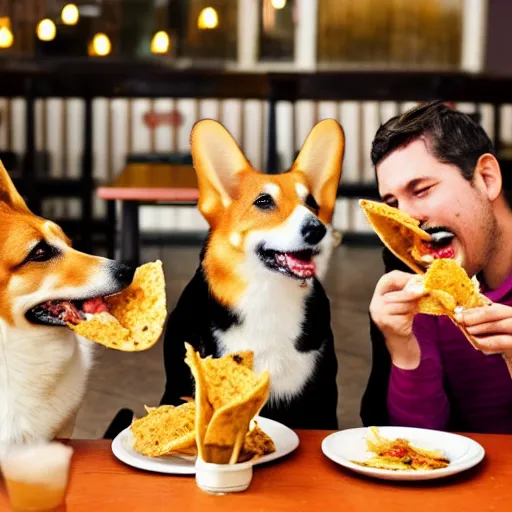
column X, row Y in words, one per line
column 393, row 306
column 491, row 327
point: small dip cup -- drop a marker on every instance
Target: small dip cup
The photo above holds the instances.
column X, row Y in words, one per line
column 223, row 478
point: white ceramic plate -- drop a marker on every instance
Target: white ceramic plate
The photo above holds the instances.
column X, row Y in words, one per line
column 285, row 441
column 347, row 445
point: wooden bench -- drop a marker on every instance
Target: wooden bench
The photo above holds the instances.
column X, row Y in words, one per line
column 147, row 183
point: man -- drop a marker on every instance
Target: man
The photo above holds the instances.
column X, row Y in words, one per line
column 437, row 165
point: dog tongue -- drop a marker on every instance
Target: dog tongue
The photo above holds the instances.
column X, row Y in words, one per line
column 93, row 306
column 300, row 267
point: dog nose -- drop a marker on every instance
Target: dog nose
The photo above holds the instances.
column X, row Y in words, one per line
column 313, row 231
column 123, row 274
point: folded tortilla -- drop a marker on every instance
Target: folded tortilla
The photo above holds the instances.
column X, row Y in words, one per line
column 449, row 288
column 228, row 397
column 399, row 232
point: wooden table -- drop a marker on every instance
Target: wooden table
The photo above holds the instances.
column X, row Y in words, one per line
column 303, row 481
column 147, row 183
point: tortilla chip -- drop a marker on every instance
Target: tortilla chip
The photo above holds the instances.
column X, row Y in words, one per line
column 399, row 232
column 204, row 410
column 226, row 377
column 136, row 316
column 228, row 396
column 165, row 430
column 141, row 307
column 230, row 423
column 103, row 328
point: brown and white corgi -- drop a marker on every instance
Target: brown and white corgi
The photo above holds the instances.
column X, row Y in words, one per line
column 257, row 286
column 43, row 365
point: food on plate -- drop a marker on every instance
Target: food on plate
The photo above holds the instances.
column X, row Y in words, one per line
column 256, row 444
column 166, row 430
column 131, row 320
column 400, row 454
column 228, row 396
column 229, row 393
column 170, row 431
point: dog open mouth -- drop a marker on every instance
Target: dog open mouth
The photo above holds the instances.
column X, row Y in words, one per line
column 297, row 264
column 62, row 312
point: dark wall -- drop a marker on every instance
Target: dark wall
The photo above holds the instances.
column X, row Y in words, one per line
column 498, row 55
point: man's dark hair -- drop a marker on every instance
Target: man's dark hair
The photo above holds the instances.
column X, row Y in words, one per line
column 451, row 136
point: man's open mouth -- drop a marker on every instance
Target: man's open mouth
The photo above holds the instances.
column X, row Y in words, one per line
column 297, row 264
column 62, row 312
column 441, row 244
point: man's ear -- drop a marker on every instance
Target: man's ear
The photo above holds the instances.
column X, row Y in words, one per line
column 320, row 159
column 217, row 161
column 488, row 168
column 8, row 192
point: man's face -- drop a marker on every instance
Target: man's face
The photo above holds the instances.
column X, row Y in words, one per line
column 439, row 196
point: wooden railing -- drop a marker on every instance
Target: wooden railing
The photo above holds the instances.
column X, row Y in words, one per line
column 89, row 80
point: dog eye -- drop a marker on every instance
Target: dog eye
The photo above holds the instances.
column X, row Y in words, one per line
column 42, row 252
column 312, row 204
column 264, row 202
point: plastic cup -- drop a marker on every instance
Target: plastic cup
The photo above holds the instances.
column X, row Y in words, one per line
column 36, row 476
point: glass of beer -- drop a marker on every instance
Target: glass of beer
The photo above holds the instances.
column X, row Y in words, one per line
column 36, row 476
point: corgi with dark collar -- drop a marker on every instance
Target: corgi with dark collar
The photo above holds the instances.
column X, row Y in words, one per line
column 258, row 283
column 44, row 365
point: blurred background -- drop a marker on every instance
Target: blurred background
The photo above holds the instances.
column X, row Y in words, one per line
column 98, row 97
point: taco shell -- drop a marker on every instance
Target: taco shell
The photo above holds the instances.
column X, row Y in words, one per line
column 398, row 231
column 448, row 288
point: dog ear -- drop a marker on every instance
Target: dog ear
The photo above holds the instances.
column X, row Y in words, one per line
column 8, row 192
column 321, row 159
column 217, row 161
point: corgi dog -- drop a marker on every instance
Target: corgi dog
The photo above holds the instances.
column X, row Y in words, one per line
column 258, row 284
column 44, row 366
